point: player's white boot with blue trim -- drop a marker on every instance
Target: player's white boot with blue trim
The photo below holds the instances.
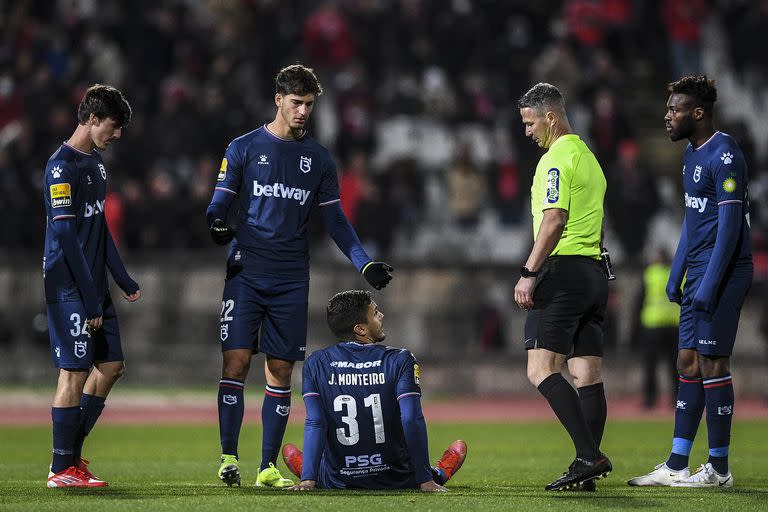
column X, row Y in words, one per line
column 661, row 476
column 706, row 477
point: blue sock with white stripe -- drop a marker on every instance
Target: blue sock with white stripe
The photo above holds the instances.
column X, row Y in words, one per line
column 719, row 398
column 66, row 424
column 690, row 405
column 231, row 410
column 274, row 418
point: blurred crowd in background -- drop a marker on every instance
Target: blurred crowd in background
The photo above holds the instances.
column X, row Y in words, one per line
column 419, row 109
column 420, row 112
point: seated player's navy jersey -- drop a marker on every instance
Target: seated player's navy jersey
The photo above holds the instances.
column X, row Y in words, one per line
column 278, row 182
column 359, row 387
column 714, row 174
column 75, row 187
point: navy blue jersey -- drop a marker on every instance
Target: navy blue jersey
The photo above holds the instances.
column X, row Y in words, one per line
column 359, row 387
column 278, row 182
column 714, row 174
column 75, row 187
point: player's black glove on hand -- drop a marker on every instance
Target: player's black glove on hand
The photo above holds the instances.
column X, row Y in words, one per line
column 221, row 233
column 378, row 274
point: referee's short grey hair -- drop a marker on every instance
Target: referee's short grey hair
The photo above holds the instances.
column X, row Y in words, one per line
column 542, row 96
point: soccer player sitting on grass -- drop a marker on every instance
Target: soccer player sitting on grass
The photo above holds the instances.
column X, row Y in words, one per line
column 364, row 426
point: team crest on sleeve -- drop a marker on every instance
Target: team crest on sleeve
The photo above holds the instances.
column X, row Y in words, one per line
column 729, row 185
column 416, row 373
column 223, row 170
column 61, row 195
column 103, row 171
column 727, row 158
column 553, row 185
column 305, row 164
column 697, row 174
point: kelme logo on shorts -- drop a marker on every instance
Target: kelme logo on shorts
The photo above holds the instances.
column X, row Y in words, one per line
column 280, row 190
column 553, row 185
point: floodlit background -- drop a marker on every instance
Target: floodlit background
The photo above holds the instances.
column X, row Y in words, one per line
column 419, row 110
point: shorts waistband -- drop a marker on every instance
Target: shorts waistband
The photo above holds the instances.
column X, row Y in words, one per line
column 572, row 257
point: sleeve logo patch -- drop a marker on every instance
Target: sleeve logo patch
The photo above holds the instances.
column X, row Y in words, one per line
column 553, row 185
column 727, row 158
column 223, row 170
column 61, row 195
column 416, row 373
column 729, row 185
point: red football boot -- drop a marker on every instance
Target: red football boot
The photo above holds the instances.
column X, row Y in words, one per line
column 453, row 458
column 73, row 476
column 293, row 458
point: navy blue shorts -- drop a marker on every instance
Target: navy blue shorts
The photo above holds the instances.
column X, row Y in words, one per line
column 715, row 334
column 276, row 307
column 72, row 346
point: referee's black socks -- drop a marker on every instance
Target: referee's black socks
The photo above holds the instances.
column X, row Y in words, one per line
column 565, row 402
column 594, row 408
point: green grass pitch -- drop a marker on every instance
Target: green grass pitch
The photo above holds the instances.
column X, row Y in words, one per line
column 159, row 468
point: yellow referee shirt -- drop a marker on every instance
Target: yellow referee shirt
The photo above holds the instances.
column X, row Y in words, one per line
column 569, row 177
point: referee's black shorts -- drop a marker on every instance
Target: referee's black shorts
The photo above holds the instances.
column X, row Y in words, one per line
column 569, row 304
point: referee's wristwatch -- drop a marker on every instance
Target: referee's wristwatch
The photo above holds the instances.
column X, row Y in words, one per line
column 524, row 272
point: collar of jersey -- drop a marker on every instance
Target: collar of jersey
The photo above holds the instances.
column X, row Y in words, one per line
column 73, row 148
column 567, row 136
column 705, row 142
column 267, row 130
column 358, row 344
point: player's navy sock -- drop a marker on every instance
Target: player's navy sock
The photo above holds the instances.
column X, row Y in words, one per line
column 564, row 402
column 719, row 398
column 90, row 410
column 595, row 409
column 274, row 418
column 66, row 423
column 231, row 409
column 690, row 405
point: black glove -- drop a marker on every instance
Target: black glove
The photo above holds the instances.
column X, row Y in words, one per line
column 221, row 233
column 377, row 273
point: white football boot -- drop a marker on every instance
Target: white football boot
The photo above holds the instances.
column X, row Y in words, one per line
column 706, row 477
column 661, row 476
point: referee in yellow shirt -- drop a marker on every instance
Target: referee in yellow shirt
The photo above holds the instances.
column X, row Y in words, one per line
column 563, row 284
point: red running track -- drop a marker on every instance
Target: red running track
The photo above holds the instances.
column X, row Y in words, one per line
column 459, row 410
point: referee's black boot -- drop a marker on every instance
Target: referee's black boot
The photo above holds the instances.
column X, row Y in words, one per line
column 582, row 470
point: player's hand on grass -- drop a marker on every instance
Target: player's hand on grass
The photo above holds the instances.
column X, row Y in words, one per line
column 432, row 486
column 133, row 297
column 377, row 273
column 304, row 485
column 221, row 233
column 94, row 324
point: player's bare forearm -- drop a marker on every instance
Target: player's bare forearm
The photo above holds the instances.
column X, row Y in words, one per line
column 550, row 231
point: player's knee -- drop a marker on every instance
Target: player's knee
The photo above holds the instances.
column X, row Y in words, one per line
column 536, row 375
column 236, row 368
column 72, row 379
column 116, row 371
column 714, row 366
column 687, row 364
